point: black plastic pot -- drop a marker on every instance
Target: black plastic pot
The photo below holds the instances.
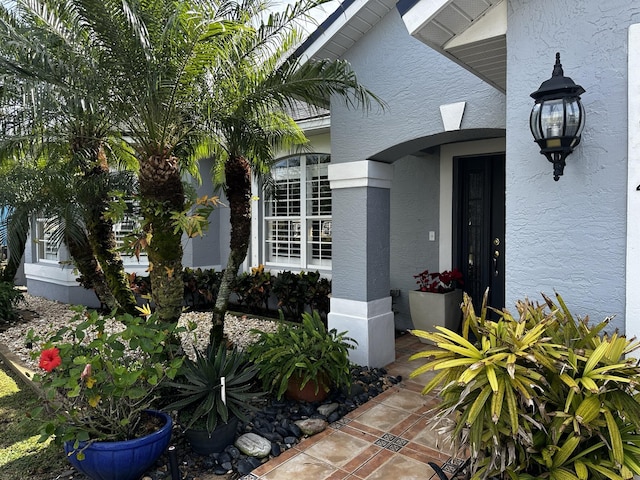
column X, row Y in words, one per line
column 204, row 444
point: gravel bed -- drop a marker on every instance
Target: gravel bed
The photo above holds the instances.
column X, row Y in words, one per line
column 46, row 316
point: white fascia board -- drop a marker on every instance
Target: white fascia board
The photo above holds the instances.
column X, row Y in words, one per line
column 315, row 124
column 333, row 29
column 490, row 25
column 422, row 13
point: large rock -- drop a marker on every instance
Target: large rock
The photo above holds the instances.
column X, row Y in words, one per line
column 311, row 426
column 327, row 409
column 253, row 445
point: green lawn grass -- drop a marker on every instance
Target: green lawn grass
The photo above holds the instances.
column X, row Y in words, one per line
column 21, row 456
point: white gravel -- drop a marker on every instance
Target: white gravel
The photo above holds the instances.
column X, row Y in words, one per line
column 49, row 316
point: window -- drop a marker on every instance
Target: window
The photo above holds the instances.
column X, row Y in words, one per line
column 49, row 243
column 298, row 217
column 48, row 246
column 129, row 224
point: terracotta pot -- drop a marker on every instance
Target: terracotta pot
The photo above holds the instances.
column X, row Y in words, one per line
column 308, row 392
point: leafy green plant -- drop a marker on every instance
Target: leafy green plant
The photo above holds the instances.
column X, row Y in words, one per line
column 286, row 288
column 10, row 298
column 101, row 374
column 200, row 287
column 253, row 289
column 316, row 291
column 307, row 350
column 213, row 388
column 538, row 396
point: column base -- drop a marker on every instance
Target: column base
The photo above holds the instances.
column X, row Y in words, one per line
column 371, row 325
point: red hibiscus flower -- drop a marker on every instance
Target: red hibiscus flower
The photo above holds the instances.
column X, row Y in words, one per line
column 50, row 359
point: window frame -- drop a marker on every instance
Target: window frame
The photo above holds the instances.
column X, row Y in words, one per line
column 306, row 202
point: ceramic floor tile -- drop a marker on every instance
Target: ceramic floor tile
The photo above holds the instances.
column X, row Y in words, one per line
column 338, row 448
column 382, row 417
column 400, row 467
column 429, row 437
column 372, row 465
column 406, row 400
column 301, row 466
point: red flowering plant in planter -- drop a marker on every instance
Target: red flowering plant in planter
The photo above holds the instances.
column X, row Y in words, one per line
column 100, row 374
column 439, row 282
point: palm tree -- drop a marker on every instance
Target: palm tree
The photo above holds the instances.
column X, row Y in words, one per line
column 155, row 56
column 54, row 103
column 255, row 91
column 29, row 190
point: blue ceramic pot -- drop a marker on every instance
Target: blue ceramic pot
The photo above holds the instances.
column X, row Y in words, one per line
column 125, row 460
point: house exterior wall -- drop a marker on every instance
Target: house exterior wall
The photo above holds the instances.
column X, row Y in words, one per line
column 414, row 81
column 569, row 235
column 415, row 208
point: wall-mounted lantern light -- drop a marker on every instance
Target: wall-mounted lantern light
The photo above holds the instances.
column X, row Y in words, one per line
column 557, row 118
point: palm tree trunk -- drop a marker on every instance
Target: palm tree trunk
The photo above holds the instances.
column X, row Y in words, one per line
column 92, row 275
column 238, row 193
column 162, row 194
column 102, row 239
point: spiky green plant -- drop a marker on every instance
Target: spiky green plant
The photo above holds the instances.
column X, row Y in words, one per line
column 214, row 387
column 539, row 396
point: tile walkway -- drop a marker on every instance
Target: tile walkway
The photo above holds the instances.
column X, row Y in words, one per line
column 386, row 438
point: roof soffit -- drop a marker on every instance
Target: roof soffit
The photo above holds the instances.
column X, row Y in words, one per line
column 472, row 33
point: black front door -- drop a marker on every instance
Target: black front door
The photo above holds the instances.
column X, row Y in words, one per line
column 479, row 197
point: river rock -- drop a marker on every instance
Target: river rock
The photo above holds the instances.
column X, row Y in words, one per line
column 311, row 426
column 253, row 445
column 327, row 409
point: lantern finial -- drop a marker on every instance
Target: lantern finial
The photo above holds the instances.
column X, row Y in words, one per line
column 557, row 68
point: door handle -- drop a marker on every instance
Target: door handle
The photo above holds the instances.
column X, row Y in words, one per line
column 496, row 255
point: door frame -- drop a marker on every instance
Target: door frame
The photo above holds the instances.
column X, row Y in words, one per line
column 447, row 153
column 492, row 226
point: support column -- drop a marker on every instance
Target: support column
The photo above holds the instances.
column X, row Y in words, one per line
column 360, row 302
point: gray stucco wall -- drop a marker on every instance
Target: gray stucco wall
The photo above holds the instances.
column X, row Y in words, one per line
column 205, row 251
column 360, row 227
column 414, row 212
column 414, row 81
column 569, row 235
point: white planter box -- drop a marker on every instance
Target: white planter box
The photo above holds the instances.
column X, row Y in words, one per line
column 429, row 310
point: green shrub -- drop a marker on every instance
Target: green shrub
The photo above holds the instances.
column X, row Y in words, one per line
column 198, row 386
column 253, row 289
column 537, row 395
column 307, row 350
column 10, row 298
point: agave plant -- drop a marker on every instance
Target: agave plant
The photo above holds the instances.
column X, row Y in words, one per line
column 213, row 388
column 539, row 396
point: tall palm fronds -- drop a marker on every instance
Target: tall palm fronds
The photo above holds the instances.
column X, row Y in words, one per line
column 154, row 54
column 254, row 92
column 53, row 193
column 54, row 111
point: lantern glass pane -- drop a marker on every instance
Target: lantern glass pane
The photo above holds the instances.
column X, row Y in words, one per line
column 552, row 118
column 534, row 122
column 574, row 117
column 582, row 118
